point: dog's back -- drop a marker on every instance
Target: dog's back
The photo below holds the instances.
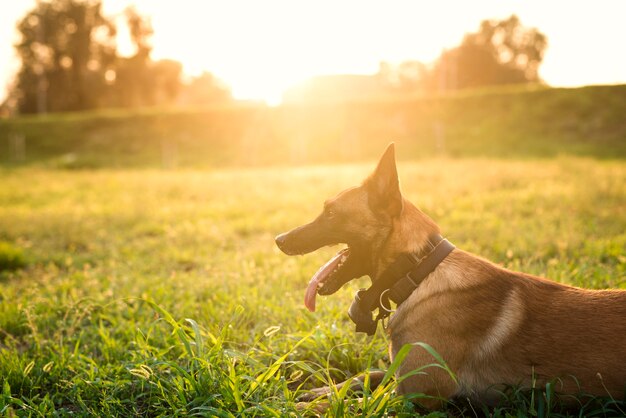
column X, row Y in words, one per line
column 493, row 326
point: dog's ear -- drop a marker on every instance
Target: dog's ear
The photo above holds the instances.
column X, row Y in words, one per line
column 383, row 186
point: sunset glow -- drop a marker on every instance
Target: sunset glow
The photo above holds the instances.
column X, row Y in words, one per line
column 262, row 48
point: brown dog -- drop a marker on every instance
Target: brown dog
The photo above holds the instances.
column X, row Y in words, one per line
column 491, row 325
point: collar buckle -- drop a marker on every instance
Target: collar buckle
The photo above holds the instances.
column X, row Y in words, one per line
column 401, row 290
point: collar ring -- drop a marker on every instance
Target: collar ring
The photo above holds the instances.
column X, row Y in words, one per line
column 382, row 305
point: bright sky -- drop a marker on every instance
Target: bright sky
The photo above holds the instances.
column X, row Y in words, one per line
column 262, row 47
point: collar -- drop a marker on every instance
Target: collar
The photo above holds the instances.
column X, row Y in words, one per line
column 397, row 283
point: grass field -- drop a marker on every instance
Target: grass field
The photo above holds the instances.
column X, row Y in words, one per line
column 149, row 292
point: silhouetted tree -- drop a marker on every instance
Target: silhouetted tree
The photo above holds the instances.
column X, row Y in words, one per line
column 66, row 48
column 70, row 61
column 166, row 76
column 501, row 52
column 133, row 82
column 205, row 89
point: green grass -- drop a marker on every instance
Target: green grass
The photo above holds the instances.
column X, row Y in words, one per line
column 508, row 122
column 11, row 257
column 147, row 292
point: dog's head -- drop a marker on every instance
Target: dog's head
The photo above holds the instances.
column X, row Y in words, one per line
column 361, row 217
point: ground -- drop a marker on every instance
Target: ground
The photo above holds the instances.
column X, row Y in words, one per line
column 161, row 292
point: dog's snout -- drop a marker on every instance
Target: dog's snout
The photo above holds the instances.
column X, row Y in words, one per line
column 302, row 240
column 280, row 240
column 285, row 243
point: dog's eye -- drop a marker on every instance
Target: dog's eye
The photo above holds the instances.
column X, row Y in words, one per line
column 328, row 212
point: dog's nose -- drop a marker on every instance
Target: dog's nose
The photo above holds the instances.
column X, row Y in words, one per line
column 280, row 240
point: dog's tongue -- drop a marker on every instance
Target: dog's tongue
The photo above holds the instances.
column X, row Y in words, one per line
column 320, row 277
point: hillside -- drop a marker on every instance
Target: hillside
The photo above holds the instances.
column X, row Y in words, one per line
column 510, row 122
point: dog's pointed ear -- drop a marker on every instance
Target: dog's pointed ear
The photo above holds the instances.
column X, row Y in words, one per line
column 383, row 185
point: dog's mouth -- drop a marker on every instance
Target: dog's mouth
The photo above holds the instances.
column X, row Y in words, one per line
column 337, row 271
column 349, row 263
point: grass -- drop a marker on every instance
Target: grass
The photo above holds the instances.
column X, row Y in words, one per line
column 11, row 257
column 147, row 292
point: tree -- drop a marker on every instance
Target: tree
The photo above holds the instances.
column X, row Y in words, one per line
column 67, row 46
column 204, row 89
column 501, row 52
column 133, row 82
column 140, row 81
column 70, row 61
column 166, row 76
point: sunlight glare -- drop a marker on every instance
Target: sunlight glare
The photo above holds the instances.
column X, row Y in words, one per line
column 262, row 48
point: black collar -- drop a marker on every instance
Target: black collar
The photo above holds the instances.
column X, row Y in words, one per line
column 397, row 283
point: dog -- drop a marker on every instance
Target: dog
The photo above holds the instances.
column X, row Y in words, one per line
column 492, row 326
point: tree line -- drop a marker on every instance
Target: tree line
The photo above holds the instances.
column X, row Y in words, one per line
column 500, row 52
column 70, row 62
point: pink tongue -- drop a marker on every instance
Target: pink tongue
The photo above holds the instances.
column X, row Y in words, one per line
column 322, row 274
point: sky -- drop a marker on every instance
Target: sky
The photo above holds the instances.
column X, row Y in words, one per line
column 260, row 48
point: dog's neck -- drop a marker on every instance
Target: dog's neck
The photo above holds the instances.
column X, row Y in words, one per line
column 409, row 233
column 412, row 250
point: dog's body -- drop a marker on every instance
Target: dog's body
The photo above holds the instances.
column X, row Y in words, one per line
column 492, row 326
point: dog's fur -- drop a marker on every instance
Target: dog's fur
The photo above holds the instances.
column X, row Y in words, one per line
column 491, row 325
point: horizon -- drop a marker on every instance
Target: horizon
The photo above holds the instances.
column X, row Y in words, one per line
column 251, row 53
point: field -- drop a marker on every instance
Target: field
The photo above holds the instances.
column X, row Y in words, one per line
column 160, row 292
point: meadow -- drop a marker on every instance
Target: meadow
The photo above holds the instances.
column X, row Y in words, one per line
column 160, row 292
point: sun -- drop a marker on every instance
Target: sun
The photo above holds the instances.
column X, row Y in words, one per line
column 261, row 49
